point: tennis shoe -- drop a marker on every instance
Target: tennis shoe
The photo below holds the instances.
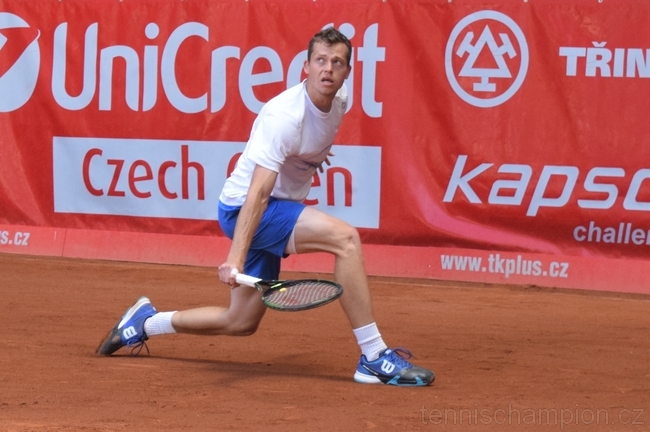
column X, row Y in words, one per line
column 129, row 331
column 393, row 368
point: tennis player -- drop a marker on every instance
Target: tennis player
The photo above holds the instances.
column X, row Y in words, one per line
column 261, row 209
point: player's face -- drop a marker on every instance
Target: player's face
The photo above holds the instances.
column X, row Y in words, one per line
column 326, row 71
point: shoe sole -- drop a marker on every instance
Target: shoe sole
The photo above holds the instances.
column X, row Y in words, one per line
column 113, row 340
column 366, row 379
column 369, row 379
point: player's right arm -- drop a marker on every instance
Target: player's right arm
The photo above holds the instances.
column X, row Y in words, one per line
column 259, row 192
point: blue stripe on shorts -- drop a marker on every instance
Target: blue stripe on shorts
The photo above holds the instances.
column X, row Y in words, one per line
column 270, row 239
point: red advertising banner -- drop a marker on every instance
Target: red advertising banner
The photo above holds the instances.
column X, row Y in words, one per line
column 507, row 131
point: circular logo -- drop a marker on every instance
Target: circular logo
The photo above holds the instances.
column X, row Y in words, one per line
column 20, row 60
column 486, row 58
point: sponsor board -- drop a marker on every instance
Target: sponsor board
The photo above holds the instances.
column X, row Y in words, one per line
column 511, row 130
column 183, row 179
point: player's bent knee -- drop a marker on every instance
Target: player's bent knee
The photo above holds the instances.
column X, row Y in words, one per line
column 350, row 243
column 248, row 331
column 243, row 328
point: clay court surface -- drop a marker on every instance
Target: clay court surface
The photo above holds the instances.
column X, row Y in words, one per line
column 506, row 358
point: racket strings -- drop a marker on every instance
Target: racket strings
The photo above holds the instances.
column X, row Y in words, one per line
column 303, row 293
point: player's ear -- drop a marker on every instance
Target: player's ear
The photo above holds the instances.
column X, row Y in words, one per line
column 305, row 67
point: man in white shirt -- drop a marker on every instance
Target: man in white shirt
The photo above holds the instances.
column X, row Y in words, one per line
column 261, row 209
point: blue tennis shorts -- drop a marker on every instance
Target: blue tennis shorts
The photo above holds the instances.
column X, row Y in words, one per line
column 270, row 239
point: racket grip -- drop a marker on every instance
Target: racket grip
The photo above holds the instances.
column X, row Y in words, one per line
column 243, row 279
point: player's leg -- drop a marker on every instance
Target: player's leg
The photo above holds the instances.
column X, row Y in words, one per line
column 241, row 318
column 243, row 315
column 141, row 321
column 316, row 231
column 246, row 310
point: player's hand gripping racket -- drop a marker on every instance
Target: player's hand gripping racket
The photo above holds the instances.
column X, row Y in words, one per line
column 293, row 295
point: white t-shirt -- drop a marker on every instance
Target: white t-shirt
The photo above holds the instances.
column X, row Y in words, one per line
column 291, row 137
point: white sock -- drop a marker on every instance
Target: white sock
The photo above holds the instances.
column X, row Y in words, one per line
column 370, row 341
column 160, row 323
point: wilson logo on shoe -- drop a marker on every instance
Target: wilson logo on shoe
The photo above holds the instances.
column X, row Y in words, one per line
column 387, row 367
column 130, row 332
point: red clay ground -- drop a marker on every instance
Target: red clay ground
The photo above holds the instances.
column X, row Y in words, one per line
column 506, row 358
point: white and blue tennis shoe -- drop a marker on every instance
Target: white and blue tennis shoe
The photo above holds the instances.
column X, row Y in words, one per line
column 129, row 331
column 393, row 368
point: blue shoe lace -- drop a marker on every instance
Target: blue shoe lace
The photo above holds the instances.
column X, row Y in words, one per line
column 400, row 359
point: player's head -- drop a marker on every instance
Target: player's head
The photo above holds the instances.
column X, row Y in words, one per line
column 330, row 36
column 327, row 66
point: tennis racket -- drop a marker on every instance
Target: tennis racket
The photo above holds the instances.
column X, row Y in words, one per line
column 293, row 295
